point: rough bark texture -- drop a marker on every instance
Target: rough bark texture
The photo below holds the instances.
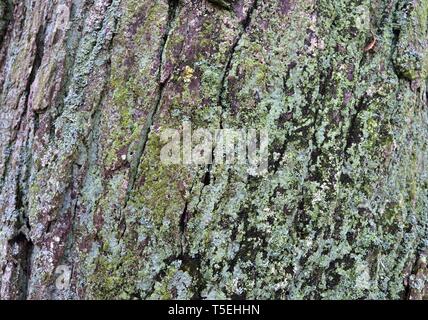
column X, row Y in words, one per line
column 86, row 85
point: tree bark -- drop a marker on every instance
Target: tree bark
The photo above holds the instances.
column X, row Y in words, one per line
column 88, row 211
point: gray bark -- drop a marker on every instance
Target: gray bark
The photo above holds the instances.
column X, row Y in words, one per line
column 87, row 210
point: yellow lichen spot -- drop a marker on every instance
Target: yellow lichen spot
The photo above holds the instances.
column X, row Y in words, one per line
column 188, row 74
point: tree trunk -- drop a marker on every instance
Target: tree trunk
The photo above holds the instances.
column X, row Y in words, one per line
column 88, row 210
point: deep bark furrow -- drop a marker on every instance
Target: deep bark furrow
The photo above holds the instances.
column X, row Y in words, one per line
column 173, row 7
column 245, row 24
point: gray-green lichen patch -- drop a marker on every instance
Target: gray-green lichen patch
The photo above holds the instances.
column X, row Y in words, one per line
column 411, row 55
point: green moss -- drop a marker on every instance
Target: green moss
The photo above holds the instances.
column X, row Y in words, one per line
column 114, row 276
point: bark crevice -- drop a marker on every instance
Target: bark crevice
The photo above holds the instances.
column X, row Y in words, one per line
column 173, row 8
column 245, row 24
